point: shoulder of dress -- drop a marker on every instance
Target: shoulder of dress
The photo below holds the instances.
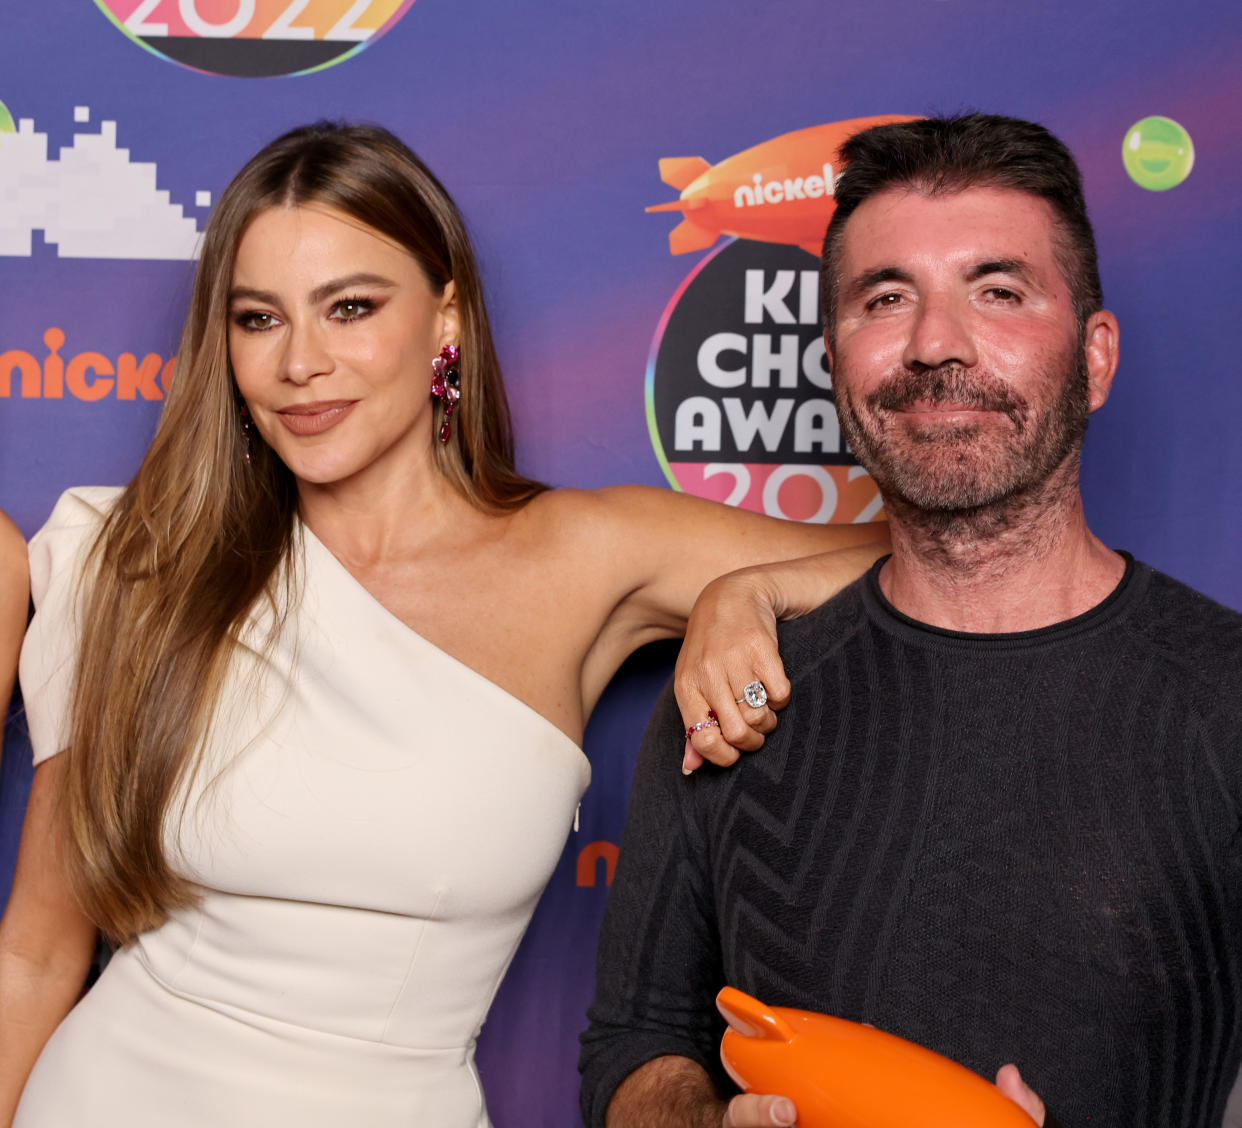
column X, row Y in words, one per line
column 59, row 547
column 81, row 506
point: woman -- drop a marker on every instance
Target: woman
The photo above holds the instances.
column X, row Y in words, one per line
column 330, row 636
column 14, row 599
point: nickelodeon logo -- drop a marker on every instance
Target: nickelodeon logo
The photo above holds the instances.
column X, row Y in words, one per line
column 88, row 376
column 777, row 192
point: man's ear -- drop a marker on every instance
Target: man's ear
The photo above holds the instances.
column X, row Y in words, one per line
column 1102, row 344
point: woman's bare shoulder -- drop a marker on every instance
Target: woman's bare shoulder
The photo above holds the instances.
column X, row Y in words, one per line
column 610, row 505
column 14, row 568
column 608, row 516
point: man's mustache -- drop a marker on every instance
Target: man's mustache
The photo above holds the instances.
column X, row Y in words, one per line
column 948, row 384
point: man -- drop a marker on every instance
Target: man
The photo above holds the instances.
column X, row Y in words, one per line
column 1002, row 814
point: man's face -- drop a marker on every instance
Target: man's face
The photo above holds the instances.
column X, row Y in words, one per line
column 959, row 373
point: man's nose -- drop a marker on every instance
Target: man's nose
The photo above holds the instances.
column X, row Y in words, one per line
column 306, row 355
column 940, row 334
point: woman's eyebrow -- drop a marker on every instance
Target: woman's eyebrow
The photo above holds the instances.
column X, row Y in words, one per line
column 362, row 278
column 319, row 293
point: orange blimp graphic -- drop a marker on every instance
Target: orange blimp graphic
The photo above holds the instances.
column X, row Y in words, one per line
column 841, row 1074
column 776, row 192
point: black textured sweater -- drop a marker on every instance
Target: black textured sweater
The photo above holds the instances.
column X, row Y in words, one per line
column 1022, row 847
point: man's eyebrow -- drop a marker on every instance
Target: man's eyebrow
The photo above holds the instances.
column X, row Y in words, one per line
column 319, row 293
column 860, row 283
column 1014, row 267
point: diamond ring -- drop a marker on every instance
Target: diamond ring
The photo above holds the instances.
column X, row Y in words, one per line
column 754, row 694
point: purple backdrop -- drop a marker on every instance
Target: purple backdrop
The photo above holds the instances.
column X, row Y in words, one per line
column 546, row 120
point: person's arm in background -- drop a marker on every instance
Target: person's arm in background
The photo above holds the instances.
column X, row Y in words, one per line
column 14, row 604
column 46, row 943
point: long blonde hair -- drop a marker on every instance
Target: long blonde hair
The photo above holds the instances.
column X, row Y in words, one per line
column 203, row 533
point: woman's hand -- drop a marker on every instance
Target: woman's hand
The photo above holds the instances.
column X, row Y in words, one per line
column 730, row 643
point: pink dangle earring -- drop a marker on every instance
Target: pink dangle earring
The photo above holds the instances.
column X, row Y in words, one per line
column 446, row 384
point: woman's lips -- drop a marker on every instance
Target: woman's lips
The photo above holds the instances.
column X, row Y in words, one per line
column 314, row 418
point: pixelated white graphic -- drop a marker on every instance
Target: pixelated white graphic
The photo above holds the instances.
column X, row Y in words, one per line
column 92, row 202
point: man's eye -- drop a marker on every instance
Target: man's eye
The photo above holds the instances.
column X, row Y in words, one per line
column 884, row 301
column 1000, row 293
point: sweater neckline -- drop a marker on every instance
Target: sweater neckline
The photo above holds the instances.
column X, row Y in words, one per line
column 1113, row 606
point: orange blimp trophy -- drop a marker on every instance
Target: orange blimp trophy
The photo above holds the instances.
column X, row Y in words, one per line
column 841, row 1074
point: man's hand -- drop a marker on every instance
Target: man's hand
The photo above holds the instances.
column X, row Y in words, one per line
column 1009, row 1081
column 751, row 1110
column 754, row 1111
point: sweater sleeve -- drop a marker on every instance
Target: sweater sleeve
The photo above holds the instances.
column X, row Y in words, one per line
column 58, row 553
column 658, row 966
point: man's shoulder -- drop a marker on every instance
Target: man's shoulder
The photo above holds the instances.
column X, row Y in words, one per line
column 1191, row 632
column 811, row 639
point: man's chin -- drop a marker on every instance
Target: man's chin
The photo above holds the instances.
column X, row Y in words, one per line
column 948, row 498
column 948, row 483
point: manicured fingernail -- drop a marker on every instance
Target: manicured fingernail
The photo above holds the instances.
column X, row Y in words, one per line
column 783, row 1112
column 687, row 771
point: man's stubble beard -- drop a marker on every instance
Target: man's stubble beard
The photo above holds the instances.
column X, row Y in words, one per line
column 964, row 481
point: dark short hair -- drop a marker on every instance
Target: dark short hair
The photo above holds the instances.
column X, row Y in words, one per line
column 943, row 155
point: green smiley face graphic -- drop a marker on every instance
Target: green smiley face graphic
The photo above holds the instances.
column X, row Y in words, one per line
column 1158, row 153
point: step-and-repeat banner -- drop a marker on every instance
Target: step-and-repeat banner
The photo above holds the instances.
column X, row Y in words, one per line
column 647, row 183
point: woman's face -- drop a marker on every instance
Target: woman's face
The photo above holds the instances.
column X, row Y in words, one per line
column 332, row 330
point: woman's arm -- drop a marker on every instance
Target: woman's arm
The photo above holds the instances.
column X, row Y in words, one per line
column 660, row 549
column 677, row 544
column 14, row 603
column 46, row 944
column 731, row 640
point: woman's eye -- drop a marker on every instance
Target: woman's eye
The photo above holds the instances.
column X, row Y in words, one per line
column 351, row 309
column 254, row 321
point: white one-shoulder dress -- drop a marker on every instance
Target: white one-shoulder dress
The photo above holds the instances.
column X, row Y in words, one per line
column 371, row 827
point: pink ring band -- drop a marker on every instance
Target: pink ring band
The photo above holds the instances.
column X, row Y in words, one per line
column 712, row 722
